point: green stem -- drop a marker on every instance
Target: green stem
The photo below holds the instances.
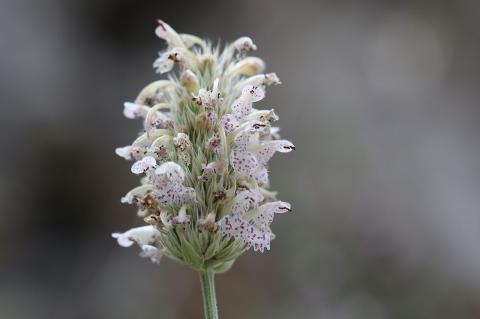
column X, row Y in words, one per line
column 208, row 292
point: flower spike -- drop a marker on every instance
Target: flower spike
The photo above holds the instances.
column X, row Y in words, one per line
column 203, row 155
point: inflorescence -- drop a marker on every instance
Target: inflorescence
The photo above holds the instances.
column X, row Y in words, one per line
column 203, row 155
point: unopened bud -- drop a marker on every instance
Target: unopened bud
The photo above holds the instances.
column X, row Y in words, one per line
column 190, row 81
column 248, row 66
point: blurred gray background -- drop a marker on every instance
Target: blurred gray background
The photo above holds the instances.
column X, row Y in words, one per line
column 380, row 98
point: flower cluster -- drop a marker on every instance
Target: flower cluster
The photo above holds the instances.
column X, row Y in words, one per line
column 203, row 155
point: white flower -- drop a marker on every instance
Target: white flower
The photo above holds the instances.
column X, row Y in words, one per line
column 267, row 149
column 261, row 175
column 266, row 79
column 125, row 152
column 168, row 185
column 136, row 193
column 167, row 60
column 230, row 123
column 152, row 252
column 250, row 234
column 134, row 110
column 266, row 212
column 143, row 165
column 265, row 116
column 138, row 152
column 271, row 79
column 245, row 200
column 254, row 231
column 243, row 45
column 241, row 158
column 144, row 235
column 170, row 171
column 174, row 194
column 243, row 105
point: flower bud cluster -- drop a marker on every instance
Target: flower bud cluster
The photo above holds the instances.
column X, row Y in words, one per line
column 203, row 155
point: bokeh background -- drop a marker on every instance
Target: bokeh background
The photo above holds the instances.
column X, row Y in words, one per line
column 380, row 98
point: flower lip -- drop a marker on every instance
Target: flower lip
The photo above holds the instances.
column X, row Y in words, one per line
column 171, row 170
column 125, row 152
column 243, row 45
column 152, row 252
column 133, row 110
column 256, row 92
column 141, row 235
column 143, row 165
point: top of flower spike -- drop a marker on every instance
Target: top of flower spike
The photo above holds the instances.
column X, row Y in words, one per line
column 204, row 154
column 165, row 32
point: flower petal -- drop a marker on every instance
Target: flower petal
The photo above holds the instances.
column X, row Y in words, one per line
column 163, row 64
column 168, row 179
column 258, row 238
column 250, row 234
column 166, row 60
column 272, row 79
column 136, row 193
column 244, row 201
column 134, row 110
column 229, row 122
column 243, row 161
column 125, row 152
column 261, row 175
column 152, row 252
column 174, row 194
column 264, row 116
column 267, row 211
column 143, row 165
column 267, row 149
column 141, row 235
column 244, row 44
column 256, row 93
column 172, row 171
column 242, row 106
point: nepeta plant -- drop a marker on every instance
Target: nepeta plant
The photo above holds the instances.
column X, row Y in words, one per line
column 203, row 156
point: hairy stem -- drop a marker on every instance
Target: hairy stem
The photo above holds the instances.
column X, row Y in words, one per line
column 208, row 292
